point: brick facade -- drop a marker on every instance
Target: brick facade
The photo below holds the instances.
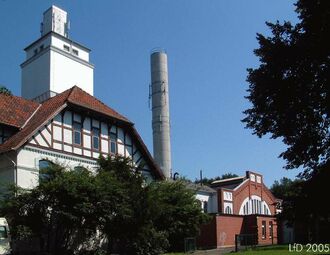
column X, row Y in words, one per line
column 258, row 219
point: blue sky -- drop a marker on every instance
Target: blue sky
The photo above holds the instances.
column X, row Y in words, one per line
column 209, row 44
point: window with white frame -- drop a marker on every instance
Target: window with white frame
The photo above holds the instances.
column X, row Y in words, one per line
column 96, row 138
column 77, row 132
column 270, row 229
column 113, row 140
column 263, row 229
column 228, row 210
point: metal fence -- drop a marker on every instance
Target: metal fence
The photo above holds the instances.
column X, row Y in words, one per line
column 245, row 241
column 189, row 244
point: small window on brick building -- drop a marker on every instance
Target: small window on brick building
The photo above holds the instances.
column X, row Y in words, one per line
column 263, row 229
column 270, row 229
column 228, row 210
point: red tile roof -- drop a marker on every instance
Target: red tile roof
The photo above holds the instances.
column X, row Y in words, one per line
column 15, row 111
column 82, row 98
column 31, row 116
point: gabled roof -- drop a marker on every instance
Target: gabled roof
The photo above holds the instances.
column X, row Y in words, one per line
column 32, row 116
column 230, row 183
column 201, row 188
column 15, row 111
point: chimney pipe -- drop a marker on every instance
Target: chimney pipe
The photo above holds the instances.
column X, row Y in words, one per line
column 160, row 111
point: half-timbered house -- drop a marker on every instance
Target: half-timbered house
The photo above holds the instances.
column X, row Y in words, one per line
column 73, row 128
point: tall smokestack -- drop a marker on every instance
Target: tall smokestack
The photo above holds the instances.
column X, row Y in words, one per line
column 160, row 111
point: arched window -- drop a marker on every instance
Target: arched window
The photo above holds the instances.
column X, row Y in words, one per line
column 228, row 210
column 44, row 164
column 79, row 168
column 246, row 208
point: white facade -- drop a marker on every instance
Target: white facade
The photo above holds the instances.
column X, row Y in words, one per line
column 55, row 19
column 55, row 63
column 209, row 202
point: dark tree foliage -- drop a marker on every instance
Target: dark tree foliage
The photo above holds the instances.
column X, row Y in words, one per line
column 176, row 212
column 290, row 90
column 58, row 212
column 4, row 90
column 74, row 211
column 304, row 207
column 208, row 181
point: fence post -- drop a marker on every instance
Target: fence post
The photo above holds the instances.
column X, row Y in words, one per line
column 236, row 243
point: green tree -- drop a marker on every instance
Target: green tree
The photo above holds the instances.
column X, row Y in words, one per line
column 176, row 211
column 68, row 207
column 59, row 211
column 4, row 90
column 129, row 226
column 304, row 207
column 290, row 90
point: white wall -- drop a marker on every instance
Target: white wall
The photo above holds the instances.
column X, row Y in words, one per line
column 59, row 43
column 36, row 76
column 66, row 72
column 211, row 199
column 28, row 164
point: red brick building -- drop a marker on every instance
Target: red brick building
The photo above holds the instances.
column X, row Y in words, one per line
column 245, row 206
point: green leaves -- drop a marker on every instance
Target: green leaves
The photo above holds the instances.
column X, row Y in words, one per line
column 70, row 208
column 289, row 91
column 4, row 90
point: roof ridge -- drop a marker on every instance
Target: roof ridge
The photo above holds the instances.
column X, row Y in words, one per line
column 75, row 87
column 35, row 111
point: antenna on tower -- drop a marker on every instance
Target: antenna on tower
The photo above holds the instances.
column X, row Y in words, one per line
column 41, row 28
column 149, row 97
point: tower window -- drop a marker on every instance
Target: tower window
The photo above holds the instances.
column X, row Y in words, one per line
column 75, row 52
column 41, row 47
column 96, row 138
column 66, row 48
column 35, row 51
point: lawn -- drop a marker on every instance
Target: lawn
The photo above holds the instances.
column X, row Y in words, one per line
column 277, row 250
column 267, row 250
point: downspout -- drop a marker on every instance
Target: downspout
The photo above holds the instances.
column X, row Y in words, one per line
column 15, row 168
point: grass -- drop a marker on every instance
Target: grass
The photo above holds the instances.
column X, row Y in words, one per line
column 268, row 250
column 276, row 250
